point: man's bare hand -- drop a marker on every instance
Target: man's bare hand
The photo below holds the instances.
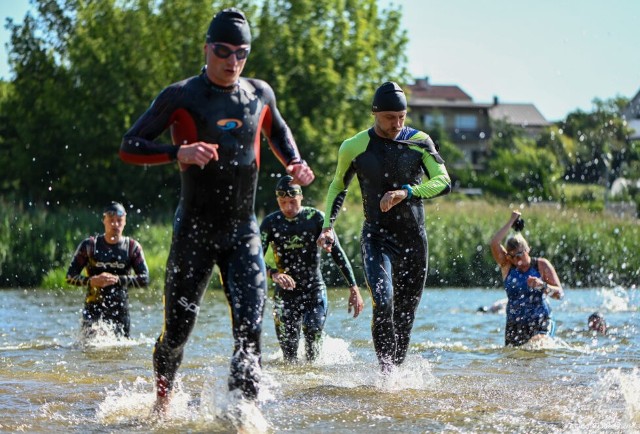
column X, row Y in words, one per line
column 392, row 198
column 198, row 153
column 104, row 279
column 302, row 174
column 355, row 301
column 326, row 239
column 283, row 280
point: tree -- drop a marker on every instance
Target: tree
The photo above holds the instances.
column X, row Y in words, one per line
column 85, row 70
column 519, row 168
column 602, row 149
column 324, row 59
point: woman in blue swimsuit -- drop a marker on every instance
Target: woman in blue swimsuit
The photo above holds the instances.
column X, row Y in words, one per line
column 528, row 281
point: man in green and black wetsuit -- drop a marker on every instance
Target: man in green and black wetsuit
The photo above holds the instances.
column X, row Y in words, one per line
column 397, row 167
column 300, row 296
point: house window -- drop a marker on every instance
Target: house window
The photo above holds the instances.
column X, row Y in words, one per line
column 466, row 122
column 431, row 120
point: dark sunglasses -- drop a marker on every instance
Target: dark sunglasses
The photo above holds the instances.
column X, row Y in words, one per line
column 290, row 193
column 519, row 254
column 223, row 52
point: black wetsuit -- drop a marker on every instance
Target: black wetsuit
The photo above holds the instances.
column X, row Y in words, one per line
column 293, row 242
column 215, row 221
column 111, row 303
column 394, row 243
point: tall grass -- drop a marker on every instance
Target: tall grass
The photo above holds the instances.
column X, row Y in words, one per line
column 587, row 248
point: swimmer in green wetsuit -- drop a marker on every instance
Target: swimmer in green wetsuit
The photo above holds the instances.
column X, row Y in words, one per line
column 300, row 295
column 397, row 167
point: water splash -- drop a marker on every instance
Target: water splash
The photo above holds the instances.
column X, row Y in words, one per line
column 618, row 384
column 614, row 299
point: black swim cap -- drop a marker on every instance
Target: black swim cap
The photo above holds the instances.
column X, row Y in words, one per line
column 114, row 208
column 230, row 26
column 284, row 185
column 389, row 98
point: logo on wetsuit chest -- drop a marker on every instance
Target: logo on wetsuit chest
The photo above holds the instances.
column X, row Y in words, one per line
column 229, row 124
column 118, row 265
column 295, row 242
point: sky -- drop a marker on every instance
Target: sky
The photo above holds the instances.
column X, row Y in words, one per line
column 559, row 55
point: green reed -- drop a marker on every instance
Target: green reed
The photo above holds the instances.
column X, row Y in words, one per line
column 587, row 248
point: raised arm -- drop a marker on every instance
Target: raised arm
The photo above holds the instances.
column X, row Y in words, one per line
column 497, row 249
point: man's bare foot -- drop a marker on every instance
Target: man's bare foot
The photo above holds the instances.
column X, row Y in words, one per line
column 161, row 406
column 163, row 397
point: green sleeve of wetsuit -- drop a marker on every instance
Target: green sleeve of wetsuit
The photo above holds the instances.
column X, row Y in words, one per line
column 348, row 151
column 269, row 257
column 437, row 181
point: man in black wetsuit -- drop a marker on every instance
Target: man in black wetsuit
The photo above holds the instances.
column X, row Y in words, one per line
column 300, row 295
column 215, row 120
column 397, row 167
column 108, row 260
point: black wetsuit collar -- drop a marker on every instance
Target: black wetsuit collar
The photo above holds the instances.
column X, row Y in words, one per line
column 215, row 87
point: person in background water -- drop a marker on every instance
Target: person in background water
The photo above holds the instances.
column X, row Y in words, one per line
column 300, row 296
column 528, row 282
column 215, row 120
column 597, row 323
column 108, row 260
column 498, row 306
column 397, row 167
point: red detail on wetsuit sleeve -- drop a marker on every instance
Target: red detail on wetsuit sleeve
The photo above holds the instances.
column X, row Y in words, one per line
column 138, row 159
column 183, row 128
column 264, row 125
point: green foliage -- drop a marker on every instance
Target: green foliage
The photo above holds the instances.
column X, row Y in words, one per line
column 324, row 59
column 85, row 70
column 587, row 249
column 519, row 168
column 33, row 241
column 602, row 150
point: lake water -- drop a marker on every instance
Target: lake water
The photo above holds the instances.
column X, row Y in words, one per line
column 458, row 377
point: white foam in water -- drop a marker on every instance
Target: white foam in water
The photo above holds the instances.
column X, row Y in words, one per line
column 335, row 351
column 102, row 335
column 215, row 409
column 219, row 405
column 414, row 373
column 628, row 385
column 614, row 299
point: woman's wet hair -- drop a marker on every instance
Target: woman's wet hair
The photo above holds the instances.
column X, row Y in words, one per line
column 517, row 242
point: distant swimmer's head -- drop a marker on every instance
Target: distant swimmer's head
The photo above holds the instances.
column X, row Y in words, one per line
column 289, row 196
column 597, row 323
column 114, row 218
column 285, row 187
column 114, row 208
